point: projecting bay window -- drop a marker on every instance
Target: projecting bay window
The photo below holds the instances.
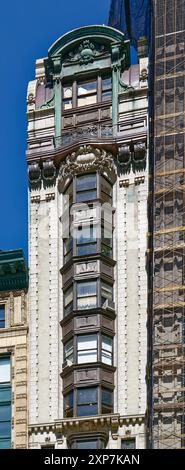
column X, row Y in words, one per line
column 89, row 348
column 86, row 295
column 68, row 301
column 2, row 316
column 86, row 93
column 88, row 401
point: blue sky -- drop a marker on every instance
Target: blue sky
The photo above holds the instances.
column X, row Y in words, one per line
column 27, row 30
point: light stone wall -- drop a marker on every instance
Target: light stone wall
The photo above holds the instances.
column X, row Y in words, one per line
column 14, row 341
column 44, row 306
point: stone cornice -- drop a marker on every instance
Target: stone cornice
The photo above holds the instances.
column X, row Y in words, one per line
column 110, row 421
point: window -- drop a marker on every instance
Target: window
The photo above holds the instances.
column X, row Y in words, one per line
column 106, row 243
column 87, row 401
column 68, row 301
column 106, row 352
column 86, row 295
column 86, row 240
column 106, row 191
column 128, row 444
column 107, row 401
column 67, row 97
column 5, row 403
column 2, row 316
column 4, row 369
column 68, row 249
column 91, row 443
column 106, row 89
column 106, row 292
column 87, row 93
column 68, row 405
column 68, row 351
column 86, row 349
column 86, row 188
column 68, row 197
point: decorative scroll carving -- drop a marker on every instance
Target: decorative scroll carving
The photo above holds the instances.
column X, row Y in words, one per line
column 34, row 173
column 124, row 157
column 85, row 53
column 139, row 156
column 49, row 171
column 86, row 159
column 132, row 155
column 49, row 104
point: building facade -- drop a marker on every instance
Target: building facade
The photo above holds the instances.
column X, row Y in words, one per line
column 167, row 329
column 87, row 160
column 13, row 350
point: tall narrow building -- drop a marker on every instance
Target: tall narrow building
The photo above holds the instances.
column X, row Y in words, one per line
column 88, row 187
column 13, row 350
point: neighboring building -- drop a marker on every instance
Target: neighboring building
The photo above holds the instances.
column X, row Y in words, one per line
column 132, row 17
column 167, row 304
column 87, row 144
column 13, row 350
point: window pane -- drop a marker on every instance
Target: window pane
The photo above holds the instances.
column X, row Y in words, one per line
column 68, row 296
column 2, row 316
column 5, row 443
column 86, row 288
column 67, row 104
column 87, row 410
column 5, row 393
column 106, row 83
column 107, row 396
column 86, row 235
column 106, row 343
column 86, row 196
column 4, row 369
column 87, row 302
column 106, row 250
column 86, row 88
column 5, row 413
column 87, row 356
column 106, row 95
column 5, row 429
column 86, row 182
column 67, row 92
column 128, row 444
column 85, row 100
column 86, row 249
column 87, row 342
column 86, row 444
column 68, row 351
column 87, row 395
column 107, row 291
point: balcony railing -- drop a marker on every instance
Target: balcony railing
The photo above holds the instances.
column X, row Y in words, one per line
column 91, row 133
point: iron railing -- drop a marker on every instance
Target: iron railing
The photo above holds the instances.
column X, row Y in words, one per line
column 90, row 132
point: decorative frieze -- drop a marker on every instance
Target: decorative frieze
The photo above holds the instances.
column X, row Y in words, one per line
column 87, row 158
column 87, row 268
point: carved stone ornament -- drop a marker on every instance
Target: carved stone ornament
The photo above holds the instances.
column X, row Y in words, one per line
column 34, row 173
column 87, row 159
column 49, row 171
column 85, row 53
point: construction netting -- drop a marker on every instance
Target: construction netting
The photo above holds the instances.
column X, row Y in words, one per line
column 131, row 17
column 168, row 200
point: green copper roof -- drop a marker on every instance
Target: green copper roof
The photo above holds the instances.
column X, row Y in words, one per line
column 105, row 33
column 13, row 270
